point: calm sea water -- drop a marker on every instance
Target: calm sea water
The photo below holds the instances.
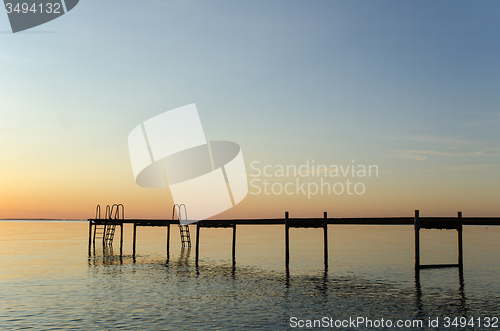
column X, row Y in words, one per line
column 48, row 281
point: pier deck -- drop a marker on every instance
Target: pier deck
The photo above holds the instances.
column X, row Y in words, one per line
column 449, row 223
column 311, row 222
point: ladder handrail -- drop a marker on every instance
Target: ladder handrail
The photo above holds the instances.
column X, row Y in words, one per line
column 108, row 228
column 108, row 212
column 98, row 211
column 117, row 211
column 123, row 211
column 179, row 213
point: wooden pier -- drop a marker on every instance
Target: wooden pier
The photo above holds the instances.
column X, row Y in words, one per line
column 449, row 223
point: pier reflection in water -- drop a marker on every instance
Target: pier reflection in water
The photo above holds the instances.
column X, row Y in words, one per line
column 48, row 281
column 267, row 299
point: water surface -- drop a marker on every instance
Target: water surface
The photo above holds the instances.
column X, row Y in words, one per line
column 48, row 281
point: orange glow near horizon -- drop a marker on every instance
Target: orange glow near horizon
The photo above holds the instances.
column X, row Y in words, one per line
column 384, row 197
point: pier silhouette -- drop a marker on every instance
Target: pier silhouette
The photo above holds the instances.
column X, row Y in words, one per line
column 115, row 217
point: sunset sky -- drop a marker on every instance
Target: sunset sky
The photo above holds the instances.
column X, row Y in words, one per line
column 409, row 86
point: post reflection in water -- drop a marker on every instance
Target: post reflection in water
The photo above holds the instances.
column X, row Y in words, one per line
column 357, row 281
column 183, row 260
column 457, row 298
column 48, row 280
column 327, row 289
column 105, row 256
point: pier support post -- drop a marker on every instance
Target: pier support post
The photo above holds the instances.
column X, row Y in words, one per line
column 133, row 245
column 104, row 235
column 90, row 235
column 460, row 247
column 287, row 240
column 234, row 243
column 417, row 239
column 197, row 241
column 168, row 239
column 325, row 239
column 121, row 238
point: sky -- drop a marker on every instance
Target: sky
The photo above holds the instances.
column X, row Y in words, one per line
column 410, row 87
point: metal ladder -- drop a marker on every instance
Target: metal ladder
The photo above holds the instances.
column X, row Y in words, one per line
column 99, row 229
column 113, row 216
column 106, row 231
column 183, row 229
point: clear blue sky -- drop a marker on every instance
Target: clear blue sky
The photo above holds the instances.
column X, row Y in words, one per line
column 411, row 86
